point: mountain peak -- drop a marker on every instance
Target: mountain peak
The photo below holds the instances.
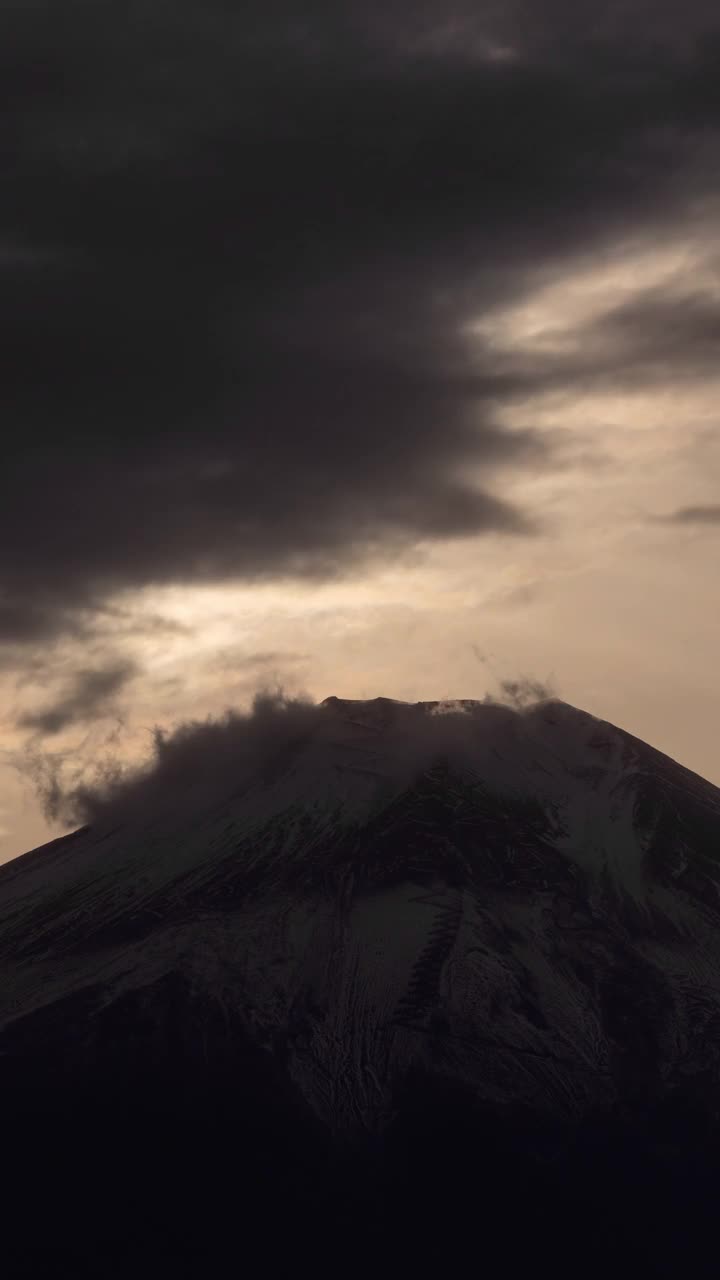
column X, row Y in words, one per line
column 361, row 899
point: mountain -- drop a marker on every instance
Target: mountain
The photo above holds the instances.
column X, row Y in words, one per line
column 430, row 976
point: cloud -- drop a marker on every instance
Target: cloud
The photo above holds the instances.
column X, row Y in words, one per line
column 201, row 763
column 523, row 693
column 90, row 696
column 236, row 658
column 656, row 338
column 245, row 244
column 196, row 763
column 664, row 336
column 693, row 515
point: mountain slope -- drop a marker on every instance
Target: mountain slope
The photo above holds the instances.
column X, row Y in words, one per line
column 507, row 920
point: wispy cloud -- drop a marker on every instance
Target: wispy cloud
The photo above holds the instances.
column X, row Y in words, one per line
column 203, row 762
column 693, row 515
column 91, row 695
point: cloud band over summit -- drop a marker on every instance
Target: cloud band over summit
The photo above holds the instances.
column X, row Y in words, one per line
column 238, row 251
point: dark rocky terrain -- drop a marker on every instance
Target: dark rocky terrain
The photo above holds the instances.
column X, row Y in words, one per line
column 381, row 1008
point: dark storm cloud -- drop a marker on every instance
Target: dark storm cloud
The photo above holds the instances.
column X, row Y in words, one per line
column 89, row 697
column 240, row 243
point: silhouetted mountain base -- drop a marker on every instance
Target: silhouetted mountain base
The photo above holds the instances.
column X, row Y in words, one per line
column 139, row 1153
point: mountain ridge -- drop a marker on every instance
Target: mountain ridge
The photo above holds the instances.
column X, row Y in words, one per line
column 505, row 918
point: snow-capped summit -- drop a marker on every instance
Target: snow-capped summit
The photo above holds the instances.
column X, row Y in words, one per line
column 350, row 837
column 521, row 905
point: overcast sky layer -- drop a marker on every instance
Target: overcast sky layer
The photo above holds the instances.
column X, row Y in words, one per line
column 361, row 348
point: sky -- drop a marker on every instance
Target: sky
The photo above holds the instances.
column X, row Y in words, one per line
column 358, row 349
